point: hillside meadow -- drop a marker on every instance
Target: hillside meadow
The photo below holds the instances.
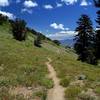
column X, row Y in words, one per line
column 22, row 66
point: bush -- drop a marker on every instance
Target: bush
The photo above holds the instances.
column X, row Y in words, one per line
column 65, row 82
column 37, row 42
column 48, row 83
column 56, row 42
column 97, row 90
column 3, row 19
column 20, row 97
column 41, row 94
column 19, row 29
column 4, row 94
column 72, row 92
column 85, row 96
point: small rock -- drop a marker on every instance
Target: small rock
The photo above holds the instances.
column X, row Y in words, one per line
column 81, row 77
column 29, row 88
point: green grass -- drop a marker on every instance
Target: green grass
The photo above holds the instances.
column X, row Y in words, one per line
column 65, row 82
column 72, row 92
column 21, row 63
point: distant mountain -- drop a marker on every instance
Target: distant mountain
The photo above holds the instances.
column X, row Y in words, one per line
column 67, row 42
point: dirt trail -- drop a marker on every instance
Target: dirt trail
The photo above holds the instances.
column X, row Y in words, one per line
column 57, row 92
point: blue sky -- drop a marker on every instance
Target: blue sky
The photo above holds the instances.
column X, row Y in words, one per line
column 54, row 18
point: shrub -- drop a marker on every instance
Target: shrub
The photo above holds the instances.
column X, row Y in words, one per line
column 19, row 29
column 4, row 94
column 72, row 92
column 41, row 94
column 97, row 90
column 20, row 97
column 37, row 41
column 48, row 83
column 56, row 42
column 65, row 82
column 85, row 96
column 4, row 81
column 3, row 19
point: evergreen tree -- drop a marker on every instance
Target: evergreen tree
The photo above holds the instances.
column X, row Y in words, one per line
column 37, row 42
column 3, row 19
column 19, row 29
column 84, row 45
column 57, row 42
column 97, row 4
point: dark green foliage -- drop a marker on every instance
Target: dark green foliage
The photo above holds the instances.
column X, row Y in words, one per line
column 97, row 4
column 84, row 45
column 32, row 31
column 37, row 41
column 56, row 42
column 19, row 29
column 65, row 82
column 72, row 92
column 36, row 33
column 3, row 19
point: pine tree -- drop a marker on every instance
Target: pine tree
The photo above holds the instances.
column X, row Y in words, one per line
column 84, row 45
column 37, row 42
column 19, row 29
column 3, row 19
column 97, row 4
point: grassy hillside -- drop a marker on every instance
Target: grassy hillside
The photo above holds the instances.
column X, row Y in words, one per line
column 23, row 65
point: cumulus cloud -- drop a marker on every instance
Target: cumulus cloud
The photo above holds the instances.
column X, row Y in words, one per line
column 48, row 6
column 30, row 4
column 59, row 4
column 69, row 2
column 26, row 10
column 4, row 3
column 85, row 3
column 10, row 15
column 62, row 35
column 58, row 26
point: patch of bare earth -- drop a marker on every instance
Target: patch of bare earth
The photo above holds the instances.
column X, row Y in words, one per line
column 57, row 92
column 27, row 92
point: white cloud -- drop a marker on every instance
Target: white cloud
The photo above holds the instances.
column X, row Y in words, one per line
column 30, row 4
column 10, row 15
column 4, row 3
column 26, row 10
column 59, row 5
column 48, row 6
column 62, row 35
column 69, row 2
column 84, row 3
column 58, row 26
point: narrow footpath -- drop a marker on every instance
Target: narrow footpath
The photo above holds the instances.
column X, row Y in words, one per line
column 57, row 92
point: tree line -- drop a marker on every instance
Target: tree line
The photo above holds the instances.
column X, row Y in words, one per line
column 87, row 44
column 19, row 30
column 87, row 41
